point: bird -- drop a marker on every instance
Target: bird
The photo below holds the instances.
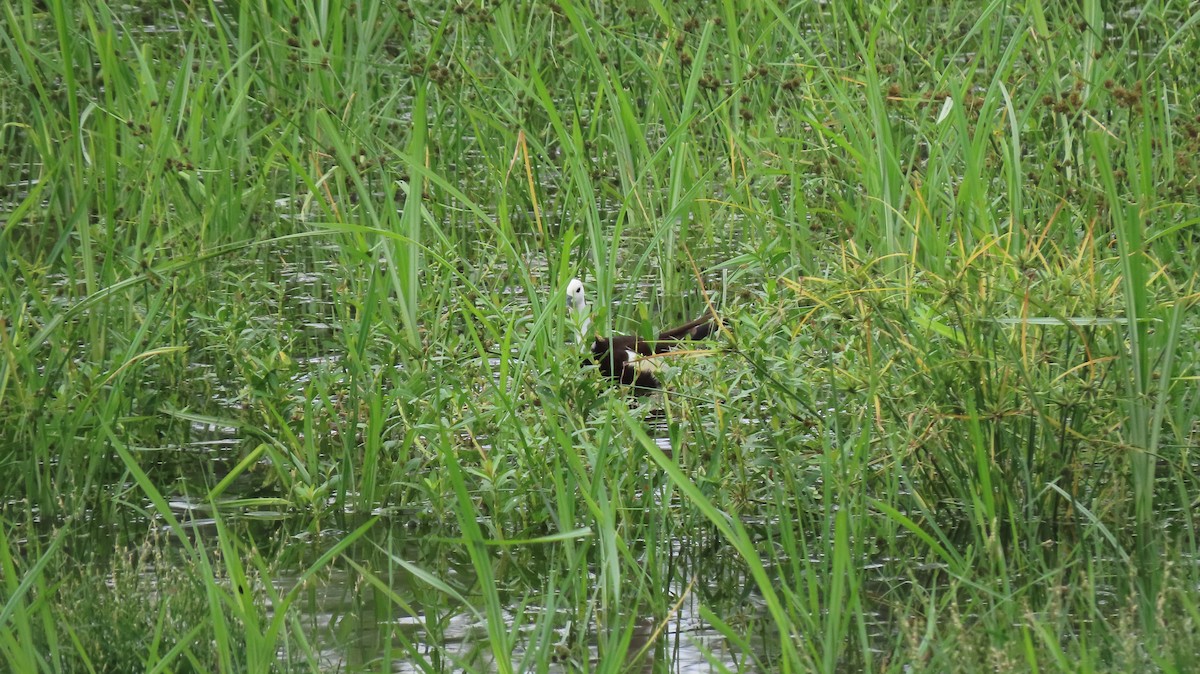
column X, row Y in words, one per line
column 625, row 358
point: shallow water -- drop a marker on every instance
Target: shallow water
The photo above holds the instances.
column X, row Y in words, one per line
column 351, row 624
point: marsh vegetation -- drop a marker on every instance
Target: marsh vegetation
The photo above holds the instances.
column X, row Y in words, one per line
column 287, row 384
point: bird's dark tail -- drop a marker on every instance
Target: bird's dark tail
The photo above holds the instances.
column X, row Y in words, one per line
column 698, row 329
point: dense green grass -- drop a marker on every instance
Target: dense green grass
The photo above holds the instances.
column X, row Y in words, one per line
column 281, row 315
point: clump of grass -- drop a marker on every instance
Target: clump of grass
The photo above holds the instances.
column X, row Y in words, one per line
column 137, row 609
column 125, row 615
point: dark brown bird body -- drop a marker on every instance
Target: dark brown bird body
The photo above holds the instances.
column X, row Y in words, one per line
column 615, row 356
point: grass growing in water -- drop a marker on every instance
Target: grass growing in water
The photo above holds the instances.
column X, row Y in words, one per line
column 308, row 266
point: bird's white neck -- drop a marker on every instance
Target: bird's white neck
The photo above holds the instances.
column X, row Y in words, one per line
column 581, row 322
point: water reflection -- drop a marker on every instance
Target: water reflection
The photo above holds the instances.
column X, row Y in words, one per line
column 357, row 625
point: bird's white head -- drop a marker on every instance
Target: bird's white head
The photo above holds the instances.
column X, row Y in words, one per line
column 576, row 298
